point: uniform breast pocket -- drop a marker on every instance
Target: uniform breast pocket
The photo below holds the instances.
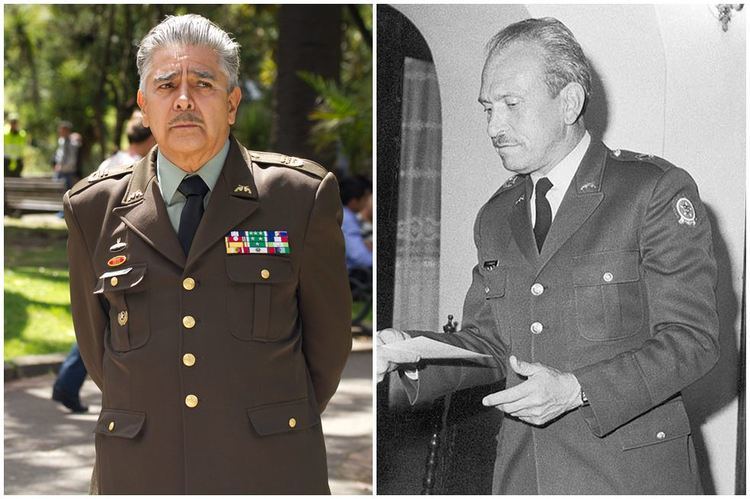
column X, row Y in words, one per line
column 608, row 297
column 494, row 281
column 125, row 290
column 259, row 286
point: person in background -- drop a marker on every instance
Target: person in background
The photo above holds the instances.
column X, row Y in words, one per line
column 14, row 141
column 140, row 140
column 355, row 192
column 66, row 155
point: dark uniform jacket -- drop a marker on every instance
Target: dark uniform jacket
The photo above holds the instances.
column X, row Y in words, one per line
column 622, row 295
column 215, row 367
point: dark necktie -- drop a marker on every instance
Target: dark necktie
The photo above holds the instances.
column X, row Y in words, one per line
column 194, row 189
column 543, row 211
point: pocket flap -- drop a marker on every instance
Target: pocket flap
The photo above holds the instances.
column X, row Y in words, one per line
column 605, row 268
column 664, row 423
column 121, row 279
column 494, row 281
column 284, row 416
column 120, row 423
column 252, row 268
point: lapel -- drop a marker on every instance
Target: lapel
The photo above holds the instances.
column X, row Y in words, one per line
column 520, row 222
column 233, row 199
column 143, row 210
column 581, row 199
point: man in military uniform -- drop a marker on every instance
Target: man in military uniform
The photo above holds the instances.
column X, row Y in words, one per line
column 593, row 290
column 209, row 291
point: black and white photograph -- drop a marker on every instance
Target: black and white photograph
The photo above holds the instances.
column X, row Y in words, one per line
column 560, row 249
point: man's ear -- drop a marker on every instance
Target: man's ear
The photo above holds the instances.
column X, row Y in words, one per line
column 142, row 104
column 233, row 101
column 573, row 97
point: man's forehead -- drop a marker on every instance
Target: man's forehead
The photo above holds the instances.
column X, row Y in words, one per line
column 181, row 55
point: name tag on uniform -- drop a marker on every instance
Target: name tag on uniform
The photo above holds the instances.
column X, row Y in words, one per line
column 490, row 264
column 269, row 242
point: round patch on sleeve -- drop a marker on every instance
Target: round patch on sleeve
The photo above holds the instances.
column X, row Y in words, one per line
column 686, row 211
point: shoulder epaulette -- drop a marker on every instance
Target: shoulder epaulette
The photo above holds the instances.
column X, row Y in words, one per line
column 624, row 155
column 274, row 158
column 115, row 171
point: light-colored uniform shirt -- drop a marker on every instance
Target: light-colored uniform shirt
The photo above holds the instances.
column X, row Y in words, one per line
column 561, row 176
column 170, row 175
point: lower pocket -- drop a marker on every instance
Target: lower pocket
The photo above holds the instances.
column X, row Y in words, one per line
column 282, row 417
column 120, row 423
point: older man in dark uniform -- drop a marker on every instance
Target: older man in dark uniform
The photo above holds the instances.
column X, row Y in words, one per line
column 593, row 290
column 209, row 291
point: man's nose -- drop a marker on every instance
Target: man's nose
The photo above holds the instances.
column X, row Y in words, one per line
column 184, row 100
column 497, row 124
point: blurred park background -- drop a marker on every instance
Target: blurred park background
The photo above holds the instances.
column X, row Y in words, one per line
column 306, row 78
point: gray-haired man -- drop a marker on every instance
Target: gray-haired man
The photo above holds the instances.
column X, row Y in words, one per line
column 593, row 290
column 209, row 291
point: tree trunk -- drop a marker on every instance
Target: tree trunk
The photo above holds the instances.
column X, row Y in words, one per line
column 310, row 39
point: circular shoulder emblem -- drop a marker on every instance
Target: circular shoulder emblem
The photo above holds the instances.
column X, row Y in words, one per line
column 686, row 211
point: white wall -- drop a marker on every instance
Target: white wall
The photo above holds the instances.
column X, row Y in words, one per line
column 670, row 83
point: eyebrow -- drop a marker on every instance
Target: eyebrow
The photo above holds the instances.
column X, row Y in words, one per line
column 200, row 73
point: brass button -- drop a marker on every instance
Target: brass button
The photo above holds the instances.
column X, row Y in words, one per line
column 608, row 277
column 114, row 281
column 111, row 426
column 265, row 274
column 122, row 317
column 191, row 401
column 661, row 435
column 188, row 359
column 486, row 290
column 537, row 327
column 188, row 283
column 188, row 321
column 537, row 289
column 292, row 422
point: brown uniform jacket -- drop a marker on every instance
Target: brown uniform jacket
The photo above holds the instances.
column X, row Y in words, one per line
column 622, row 295
column 256, row 343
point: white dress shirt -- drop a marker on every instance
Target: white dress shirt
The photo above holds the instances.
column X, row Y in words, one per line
column 560, row 176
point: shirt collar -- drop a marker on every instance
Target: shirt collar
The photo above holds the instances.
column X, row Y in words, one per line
column 562, row 174
column 170, row 175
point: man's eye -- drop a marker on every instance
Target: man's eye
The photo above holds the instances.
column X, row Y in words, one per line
column 204, row 84
column 165, row 85
column 512, row 103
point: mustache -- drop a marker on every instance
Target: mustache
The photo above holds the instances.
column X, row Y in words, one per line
column 502, row 140
column 186, row 118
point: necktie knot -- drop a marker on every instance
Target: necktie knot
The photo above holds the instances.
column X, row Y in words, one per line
column 543, row 185
column 193, row 186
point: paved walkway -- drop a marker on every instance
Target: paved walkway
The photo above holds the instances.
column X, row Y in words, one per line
column 48, row 450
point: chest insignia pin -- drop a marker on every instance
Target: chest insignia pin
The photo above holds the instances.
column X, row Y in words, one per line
column 122, row 317
column 116, row 260
column 118, row 246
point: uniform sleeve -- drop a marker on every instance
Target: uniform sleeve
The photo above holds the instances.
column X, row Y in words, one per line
column 89, row 316
column 324, row 295
column 478, row 333
column 680, row 278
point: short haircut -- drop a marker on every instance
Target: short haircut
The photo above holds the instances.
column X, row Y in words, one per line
column 190, row 30
column 353, row 188
column 564, row 61
column 136, row 132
